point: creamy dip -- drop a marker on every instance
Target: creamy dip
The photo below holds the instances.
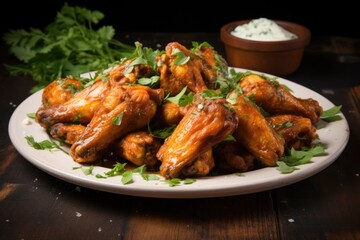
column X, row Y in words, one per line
column 262, row 29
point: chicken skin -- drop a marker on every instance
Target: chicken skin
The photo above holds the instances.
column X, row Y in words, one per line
column 255, row 133
column 59, row 91
column 297, row 131
column 276, row 99
column 205, row 124
column 123, row 110
column 139, row 148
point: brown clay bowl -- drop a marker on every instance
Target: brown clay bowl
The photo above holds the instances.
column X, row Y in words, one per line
column 278, row 58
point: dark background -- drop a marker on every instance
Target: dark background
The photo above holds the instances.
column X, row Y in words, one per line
column 340, row 19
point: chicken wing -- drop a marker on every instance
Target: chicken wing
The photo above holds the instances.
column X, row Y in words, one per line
column 276, row 99
column 174, row 76
column 78, row 109
column 214, row 65
column 59, row 91
column 255, row 134
column 297, row 131
column 233, row 157
column 205, row 124
column 124, row 109
column 139, row 148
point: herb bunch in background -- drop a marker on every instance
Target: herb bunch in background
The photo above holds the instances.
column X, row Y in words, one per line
column 68, row 46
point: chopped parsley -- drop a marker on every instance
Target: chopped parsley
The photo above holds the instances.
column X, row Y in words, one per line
column 43, row 145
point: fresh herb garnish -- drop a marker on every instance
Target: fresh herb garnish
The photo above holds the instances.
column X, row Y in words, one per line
column 43, row 145
column 31, row 115
column 119, row 170
column 68, row 46
column 181, row 58
column 181, row 98
column 118, row 119
column 151, row 82
column 177, row 181
column 162, row 133
column 331, row 114
column 288, row 163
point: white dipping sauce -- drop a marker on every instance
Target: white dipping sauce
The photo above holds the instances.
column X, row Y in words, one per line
column 262, row 29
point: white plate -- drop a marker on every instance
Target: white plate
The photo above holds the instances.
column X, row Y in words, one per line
column 335, row 136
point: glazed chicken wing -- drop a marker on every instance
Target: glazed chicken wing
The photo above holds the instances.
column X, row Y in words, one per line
column 80, row 108
column 297, row 131
column 233, row 157
column 59, row 91
column 175, row 76
column 205, row 124
column 124, row 109
column 214, row 65
column 139, row 148
column 276, row 99
column 255, row 133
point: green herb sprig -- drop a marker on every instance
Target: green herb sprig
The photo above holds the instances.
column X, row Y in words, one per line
column 70, row 45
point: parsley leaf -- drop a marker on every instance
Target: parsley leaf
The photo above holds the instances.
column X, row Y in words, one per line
column 181, row 98
column 331, row 114
column 70, row 45
column 181, row 58
column 118, row 119
column 298, row 157
column 43, row 145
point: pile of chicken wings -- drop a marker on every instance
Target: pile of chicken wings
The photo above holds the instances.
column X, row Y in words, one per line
column 232, row 123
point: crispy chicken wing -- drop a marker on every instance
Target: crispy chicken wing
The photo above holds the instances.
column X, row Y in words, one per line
column 175, row 76
column 255, row 134
column 233, row 157
column 80, row 108
column 205, row 124
column 59, row 91
column 139, row 148
column 124, row 109
column 276, row 99
column 297, row 131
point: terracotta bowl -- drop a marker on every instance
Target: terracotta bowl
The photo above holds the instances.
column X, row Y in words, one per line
column 279, row 58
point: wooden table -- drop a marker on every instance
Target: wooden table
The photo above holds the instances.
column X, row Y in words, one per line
column 35, row 205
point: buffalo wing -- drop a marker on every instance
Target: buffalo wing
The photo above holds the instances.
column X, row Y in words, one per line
column 205, row 124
